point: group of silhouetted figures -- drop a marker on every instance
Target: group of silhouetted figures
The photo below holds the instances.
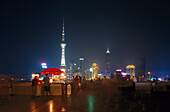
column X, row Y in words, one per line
column 37, row 86
column 104, row 82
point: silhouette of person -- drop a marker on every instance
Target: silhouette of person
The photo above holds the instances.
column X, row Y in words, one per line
column 34, row 86
column 46, row 85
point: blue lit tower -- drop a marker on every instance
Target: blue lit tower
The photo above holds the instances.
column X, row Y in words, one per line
column 107, row 61
column 63, row 45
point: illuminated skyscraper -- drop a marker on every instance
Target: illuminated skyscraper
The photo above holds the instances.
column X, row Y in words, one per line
column 107, row 61
column 95, row 70
column 130, row 70
column 73, row 67
column 81, row 65
column 63, row 45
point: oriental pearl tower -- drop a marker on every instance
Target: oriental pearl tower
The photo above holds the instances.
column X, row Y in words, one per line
column 63, row 45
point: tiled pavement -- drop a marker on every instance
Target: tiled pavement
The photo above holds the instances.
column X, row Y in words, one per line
column 96, row 100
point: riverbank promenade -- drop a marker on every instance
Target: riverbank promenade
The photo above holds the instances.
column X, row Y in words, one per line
column 95, row 98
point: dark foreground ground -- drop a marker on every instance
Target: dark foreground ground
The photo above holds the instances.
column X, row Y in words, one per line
column 95, row 100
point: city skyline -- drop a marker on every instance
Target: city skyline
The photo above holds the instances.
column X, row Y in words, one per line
column 31, row 31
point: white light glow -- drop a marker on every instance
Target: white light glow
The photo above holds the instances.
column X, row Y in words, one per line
column 51, row 80
column 81, row 59
column 43, row 64
column 124, row 74
column 119, row 70
column 62, row 74
column 91, row 69
column 107, row 51
column 33, row 75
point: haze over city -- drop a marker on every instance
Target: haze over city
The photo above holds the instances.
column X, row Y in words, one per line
column 31, row 33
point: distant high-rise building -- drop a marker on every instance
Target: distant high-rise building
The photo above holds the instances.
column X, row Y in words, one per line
column 130, row 70
column 63, row 45
column 73, row 66
column 81, row 65
column 141, row 67
column 107, row 61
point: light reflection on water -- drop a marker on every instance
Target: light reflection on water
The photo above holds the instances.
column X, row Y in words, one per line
column 63, row 109
column 50, row 105
column 33, row 106
column 90, row 103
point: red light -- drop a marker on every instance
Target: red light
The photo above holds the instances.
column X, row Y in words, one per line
column 119, row 70
column 124, row 74
column 43, row 64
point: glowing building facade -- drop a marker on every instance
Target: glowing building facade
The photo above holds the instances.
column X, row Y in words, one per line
column 63, row 45
column 95, row 70
column 130, row 70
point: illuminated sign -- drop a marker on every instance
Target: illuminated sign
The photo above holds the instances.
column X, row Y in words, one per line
column 62, row 74
column 33, row 75
column 44, row 65
column 118, row 70
column 124, row 74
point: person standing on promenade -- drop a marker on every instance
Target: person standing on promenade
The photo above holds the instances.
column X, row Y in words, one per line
column 134, row 82
column 10, row 86
column 46, row 85
column 38, row 84
column 34, row 86
column 80, row 79
column 84, row 79
column 75, row 84
column 76, row 79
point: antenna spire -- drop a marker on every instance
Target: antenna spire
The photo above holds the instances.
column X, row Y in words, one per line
column 63, row 39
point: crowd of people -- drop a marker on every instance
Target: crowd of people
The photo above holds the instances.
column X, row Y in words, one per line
column 76, row 81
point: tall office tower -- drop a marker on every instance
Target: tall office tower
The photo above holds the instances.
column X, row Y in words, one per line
column 73, row 66
column 81, row 66
column 107, row 61
column 141, row 68
column 63, row 45
column 130, row 70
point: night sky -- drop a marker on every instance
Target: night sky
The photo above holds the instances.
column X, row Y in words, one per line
column 30, row 32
